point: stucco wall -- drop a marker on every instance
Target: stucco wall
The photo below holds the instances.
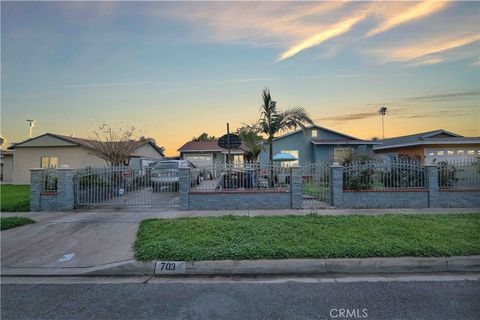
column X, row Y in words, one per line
column 7, row 168
column 26, row 158
column 148, row 151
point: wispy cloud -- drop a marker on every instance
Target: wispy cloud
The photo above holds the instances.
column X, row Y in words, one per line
column 349, row 117
column 331, row 32
column 418, row 11
column 420, row 52
column 446, row 96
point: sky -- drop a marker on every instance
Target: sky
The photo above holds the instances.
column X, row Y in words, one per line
column 177, row 69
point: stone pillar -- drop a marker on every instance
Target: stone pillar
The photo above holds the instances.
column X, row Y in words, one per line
column 336, row 185
column 65, row 189
column 431, row 183
column 184, row 187
column 36, row 188
column 296, row 187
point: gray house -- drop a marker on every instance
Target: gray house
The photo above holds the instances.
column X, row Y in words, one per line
column 318, row 144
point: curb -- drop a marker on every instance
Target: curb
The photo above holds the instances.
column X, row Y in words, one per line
column 263, row 267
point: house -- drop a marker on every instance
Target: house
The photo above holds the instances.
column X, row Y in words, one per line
column 208, row 153
column 318, row 144
column 55, row 150
column 431, row 146
column 6, row 166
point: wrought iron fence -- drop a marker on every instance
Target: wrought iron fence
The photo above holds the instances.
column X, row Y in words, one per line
column 240, row 177
column 384, row 174
column 50, row 179
column 316, row 184
column 124, row 185
column 459, row 174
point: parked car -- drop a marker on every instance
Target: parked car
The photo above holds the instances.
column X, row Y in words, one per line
column 165, row 174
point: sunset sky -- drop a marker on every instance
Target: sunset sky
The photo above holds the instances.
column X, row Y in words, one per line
column 175, row 70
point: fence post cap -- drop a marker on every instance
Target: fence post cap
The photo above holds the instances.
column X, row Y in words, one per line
column 336, row 165
column 37, row 169
column 65, row 167
column 431, row 165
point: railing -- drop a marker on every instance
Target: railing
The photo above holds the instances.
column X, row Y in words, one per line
column 240, row 177
column 459, row 174
column 50, row 180
column 384, row 175
column 316, row 183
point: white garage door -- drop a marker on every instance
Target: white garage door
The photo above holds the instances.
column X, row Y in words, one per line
column 201, row 160
column 450, row 154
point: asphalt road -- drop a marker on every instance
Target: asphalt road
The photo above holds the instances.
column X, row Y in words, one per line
column 284, row 299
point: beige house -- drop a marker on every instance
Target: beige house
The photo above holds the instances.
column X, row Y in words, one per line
column 57, row 150
column 6, row 166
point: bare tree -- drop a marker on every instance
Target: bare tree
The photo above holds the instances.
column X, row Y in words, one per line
column 115, row 146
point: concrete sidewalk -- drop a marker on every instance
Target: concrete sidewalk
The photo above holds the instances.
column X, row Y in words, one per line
column 137, row 215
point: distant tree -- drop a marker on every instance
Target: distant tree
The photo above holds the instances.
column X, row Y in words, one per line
column 273, row 121
column 115, row 146
column 252, row 141
column 204, row 137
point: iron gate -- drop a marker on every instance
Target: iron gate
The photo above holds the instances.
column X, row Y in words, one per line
column 126, row 186
column 316, row 185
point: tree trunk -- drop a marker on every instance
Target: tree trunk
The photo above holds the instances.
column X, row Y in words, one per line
column 270, row 159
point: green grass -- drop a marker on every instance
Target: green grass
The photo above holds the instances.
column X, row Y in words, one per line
column 312, row 236
column 314, row 189
column 15, row 197
column 13, row 222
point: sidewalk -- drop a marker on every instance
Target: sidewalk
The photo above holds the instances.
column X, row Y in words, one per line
column 136, row 215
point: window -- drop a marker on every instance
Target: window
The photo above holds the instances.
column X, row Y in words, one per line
column 291, row 163
column 341, row 155
column 471, row 152
column 450, row 152
column 314, row 133
column 461, row 152
column 441, row 153
column 48, row 162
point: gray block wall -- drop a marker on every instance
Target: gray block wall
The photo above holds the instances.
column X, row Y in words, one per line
column 239, row 201
column 459, row 199
column 61, row 200
column 372, row 199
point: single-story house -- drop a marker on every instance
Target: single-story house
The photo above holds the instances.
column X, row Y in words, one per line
column 208, row 153
column 55, row 150
column 431, row 146
column 318, row 144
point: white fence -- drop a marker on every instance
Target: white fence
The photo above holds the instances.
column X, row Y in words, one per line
column 459, row 174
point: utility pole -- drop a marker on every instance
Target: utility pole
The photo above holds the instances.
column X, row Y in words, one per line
column 31, row 124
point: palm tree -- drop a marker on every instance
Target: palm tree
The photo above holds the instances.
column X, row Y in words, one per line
column 273, row 121
column 251, row 141
column 383, row 111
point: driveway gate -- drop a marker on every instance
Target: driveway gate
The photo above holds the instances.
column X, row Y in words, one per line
column 126, row 186
column 316, row 185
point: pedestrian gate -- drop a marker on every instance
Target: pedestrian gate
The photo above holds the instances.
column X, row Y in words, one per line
column 126, row 186
column 316, row 185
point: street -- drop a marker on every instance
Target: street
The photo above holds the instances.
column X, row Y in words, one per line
column 409, row 297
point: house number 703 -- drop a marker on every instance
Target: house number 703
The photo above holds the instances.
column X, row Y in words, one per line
column 167, row 266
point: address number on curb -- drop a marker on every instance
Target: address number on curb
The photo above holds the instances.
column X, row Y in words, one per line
column 170, row 267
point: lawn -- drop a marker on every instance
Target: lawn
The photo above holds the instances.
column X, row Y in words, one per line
column 312, row 236
column 13, row 222
column 15, row 197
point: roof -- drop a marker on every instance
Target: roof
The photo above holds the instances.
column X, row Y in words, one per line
column 316, row 127
column 207, row 146
column 342, row 141
column 81, row 142
column 439, row 136
column 192, row 146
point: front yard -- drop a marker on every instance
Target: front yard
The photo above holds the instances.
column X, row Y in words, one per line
column 14, row 197
column 312, row 236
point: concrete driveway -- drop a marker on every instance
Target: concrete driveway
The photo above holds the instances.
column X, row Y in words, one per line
column 90, row 238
